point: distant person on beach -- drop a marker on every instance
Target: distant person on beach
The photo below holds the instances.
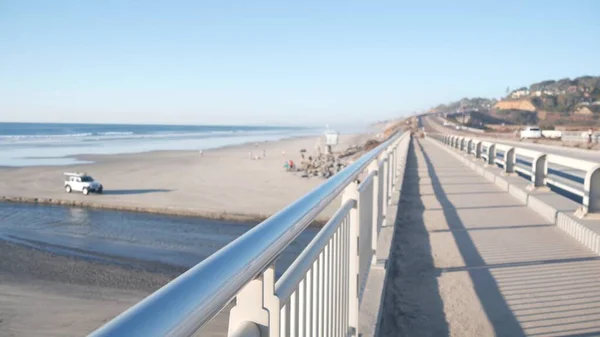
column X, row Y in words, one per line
column 289, row 165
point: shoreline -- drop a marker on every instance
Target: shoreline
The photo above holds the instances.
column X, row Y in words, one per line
column 93, row 158
column 221, row 184
column 242, row 218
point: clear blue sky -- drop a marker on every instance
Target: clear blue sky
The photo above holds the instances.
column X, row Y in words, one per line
column 279, row 62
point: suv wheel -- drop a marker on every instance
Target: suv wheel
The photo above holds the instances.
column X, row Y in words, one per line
column 68, row 189
column 86, row 191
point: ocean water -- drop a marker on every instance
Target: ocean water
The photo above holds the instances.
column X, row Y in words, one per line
column 104, row 235
column 29, row 144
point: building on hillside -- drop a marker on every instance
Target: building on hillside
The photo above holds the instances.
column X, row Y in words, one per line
column 572, row 89
column 583, row 111
column 519, row 93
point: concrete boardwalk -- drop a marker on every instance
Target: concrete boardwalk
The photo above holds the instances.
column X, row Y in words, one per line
column 469, row 260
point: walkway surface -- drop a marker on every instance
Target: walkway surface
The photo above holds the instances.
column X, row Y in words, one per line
column 469, row 260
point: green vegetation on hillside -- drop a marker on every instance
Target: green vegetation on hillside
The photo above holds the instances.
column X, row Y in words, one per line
column 561, row 102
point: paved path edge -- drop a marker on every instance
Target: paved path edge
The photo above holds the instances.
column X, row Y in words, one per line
column 371, row 304
column 557, row 209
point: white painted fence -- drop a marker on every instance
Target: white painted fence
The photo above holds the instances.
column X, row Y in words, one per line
column 318, row 295
column 567, row 170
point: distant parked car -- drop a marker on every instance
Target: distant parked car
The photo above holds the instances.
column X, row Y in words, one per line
column 552, row 134
column 531, row 132
column 81, row 182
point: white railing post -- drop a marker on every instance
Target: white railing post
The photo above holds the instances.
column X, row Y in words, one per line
column 392, row 161
column 397, row 161
column 591, row 191
column 509, row 160
column 491, row 154
column 478, row 150
column 462, row 144
column 469, row 146
column 351, row 193
column 539, row 170
column 246, row 329
column 256, row 305
column 374, row 167
column 390, row 179
column 385, row 176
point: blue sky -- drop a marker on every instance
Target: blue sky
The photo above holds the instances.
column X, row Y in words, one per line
column 279, row 62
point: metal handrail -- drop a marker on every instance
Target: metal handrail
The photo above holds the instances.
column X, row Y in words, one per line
column 539, row 171
column 527, row 153
column 186, row 304
column 503, row 147
column 288, row 282
column 578, row 164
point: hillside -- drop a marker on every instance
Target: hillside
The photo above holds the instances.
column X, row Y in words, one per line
column 465, row 104
column 564, row 101
column 522, row 104
column 551, row 102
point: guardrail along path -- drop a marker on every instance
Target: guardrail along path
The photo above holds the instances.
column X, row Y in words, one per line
column 470, row 260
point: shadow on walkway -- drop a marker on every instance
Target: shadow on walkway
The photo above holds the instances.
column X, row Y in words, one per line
column 412, row 304
column 496, row 308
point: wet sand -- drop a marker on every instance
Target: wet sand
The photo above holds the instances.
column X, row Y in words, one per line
column 43, row 294
column 90, row 265
column 46, row 294
column 219, row 184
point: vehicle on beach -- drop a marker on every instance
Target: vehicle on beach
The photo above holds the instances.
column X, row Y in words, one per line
column 81, row 182
column 531, row 132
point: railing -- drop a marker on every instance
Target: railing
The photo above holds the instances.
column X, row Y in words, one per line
column 318, row 295
column 580, row 178
column 445, row 122
column 580, row 136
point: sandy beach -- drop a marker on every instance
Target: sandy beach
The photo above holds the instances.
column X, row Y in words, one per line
column 84, row 293
column 222, row 183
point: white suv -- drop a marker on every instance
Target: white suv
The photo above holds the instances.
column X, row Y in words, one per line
column 531, row 132
column 81, row 182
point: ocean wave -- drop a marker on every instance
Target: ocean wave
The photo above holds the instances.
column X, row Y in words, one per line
column 114, row 133
column 130, row 135
column 71, row 135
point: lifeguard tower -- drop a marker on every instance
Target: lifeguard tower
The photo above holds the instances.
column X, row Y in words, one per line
column 331, row 139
